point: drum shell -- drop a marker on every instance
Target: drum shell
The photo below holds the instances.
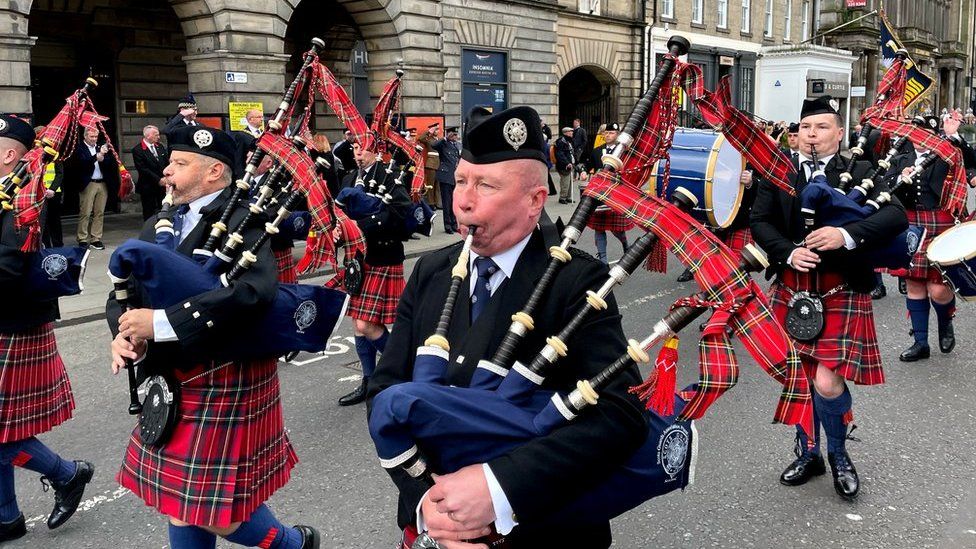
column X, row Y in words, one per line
column 959, row 272
column 707, row 165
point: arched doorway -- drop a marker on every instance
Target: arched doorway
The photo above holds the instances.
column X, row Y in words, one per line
column 135, row 50
column 590, row 94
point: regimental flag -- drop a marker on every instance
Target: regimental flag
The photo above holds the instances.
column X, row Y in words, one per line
column 916, row 82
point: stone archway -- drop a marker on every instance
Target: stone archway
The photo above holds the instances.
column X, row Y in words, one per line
column 589, row 93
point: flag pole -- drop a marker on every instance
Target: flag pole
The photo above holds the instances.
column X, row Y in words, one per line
column 842, row 25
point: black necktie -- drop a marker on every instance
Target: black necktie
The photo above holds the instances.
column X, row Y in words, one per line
column 482, row 287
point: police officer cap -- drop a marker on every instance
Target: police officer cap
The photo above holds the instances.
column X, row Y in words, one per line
column 508, row 135
column 824, row 104
column 613, row 127
column 206, row 141
column 188, row 102
column 794, row 127
column 930, row 123
column 14, row 128
column 451, row 129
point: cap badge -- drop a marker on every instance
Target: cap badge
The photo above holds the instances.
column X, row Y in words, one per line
column 202, row 138
column 515, row 132
column 3, row 125
column 834, row 105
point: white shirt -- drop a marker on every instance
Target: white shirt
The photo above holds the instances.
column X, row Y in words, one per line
column 256, row 132
column 504, row 515
column 151, row 147
column 162, row 329
column 97, row 172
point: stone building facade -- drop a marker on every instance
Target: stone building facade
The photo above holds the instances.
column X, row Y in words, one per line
column 149, row 53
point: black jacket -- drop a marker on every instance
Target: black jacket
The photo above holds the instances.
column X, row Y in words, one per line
column 176, row 122
column 777, row 226
column 450, row 155
column 227, row 308
column 18, row 312
column 564, row 154
column 150, row 168
column 343, row 152
column 928, row 194
column 384, row 232
column 550, row 471
column 82, row 167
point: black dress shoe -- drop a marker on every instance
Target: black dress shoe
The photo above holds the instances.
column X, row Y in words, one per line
column 358, row 395
column 916, row 352
column 879, row 291
column 563, row 201
column 947, row 339
column 14, row 529
column 685, row 276
column 846, row 482
column 98, row 245
column 805, row 467
column 310, row 536
column 67, row 496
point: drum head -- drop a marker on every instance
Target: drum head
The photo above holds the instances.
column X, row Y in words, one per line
column 723, row 192
column 954, row 245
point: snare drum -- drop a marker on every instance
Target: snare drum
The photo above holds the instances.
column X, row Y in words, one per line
column 953, row 253
column 703, row 162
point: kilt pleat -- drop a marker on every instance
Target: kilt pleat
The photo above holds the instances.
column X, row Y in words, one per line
column 35, row 393
column 935, row 223
column 228, row 452
column 287, row 273
column 738, row 239
column 849, row 342
column 609, row 220
column 378, row 299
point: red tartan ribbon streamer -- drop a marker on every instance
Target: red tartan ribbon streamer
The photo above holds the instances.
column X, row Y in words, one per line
column 955, row 187
column 890, row 102
column 759, row 149
column 747, row 312
column 325, row 83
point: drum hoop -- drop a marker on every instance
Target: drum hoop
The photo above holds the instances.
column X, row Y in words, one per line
column 950, row 262
column 710, row 181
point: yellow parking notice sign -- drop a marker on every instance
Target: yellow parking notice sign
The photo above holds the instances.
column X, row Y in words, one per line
column 237, row 111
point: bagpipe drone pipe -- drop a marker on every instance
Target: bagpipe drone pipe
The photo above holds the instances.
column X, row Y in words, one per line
column 388, row 198
column 301, row 317
column 824, row 205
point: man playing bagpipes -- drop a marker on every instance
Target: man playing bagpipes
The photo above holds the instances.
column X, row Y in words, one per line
column 821, row 290
column 227, row 450
column 604, row 219
column 383, row 227
column 35, row 394
column 501, row 190
column 922, row 197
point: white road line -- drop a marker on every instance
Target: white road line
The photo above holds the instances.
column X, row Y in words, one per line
column 645, row 299
column 107, row 496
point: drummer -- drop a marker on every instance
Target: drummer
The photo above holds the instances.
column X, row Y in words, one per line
column 924, row 282
column 604, row 219
column 824, row 271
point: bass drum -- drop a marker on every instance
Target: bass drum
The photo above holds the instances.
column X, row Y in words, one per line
column 953, row 253
column 703, row 162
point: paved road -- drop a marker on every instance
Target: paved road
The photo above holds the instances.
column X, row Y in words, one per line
column 916, row 458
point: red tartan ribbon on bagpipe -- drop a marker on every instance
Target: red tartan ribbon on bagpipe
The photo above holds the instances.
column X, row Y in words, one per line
column 325, row 84
column 758, row 148
column 386, row 107
column 737, row 300
column 890, row 101
column 954, row 188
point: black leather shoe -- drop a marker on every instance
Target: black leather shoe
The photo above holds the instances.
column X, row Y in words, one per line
column 98, row 245
column 563, row 201
column 805, row 467
column 67, row 496
column 879, row 291
column 14, row 529
column 846, row 482
column 916, row 352
column 355, row 397
column 685, row 276
column 947, row 339
column 310, row 536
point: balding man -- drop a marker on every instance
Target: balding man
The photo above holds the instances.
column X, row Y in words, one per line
column 150, row 157
column 501, row 187
column 255, row 122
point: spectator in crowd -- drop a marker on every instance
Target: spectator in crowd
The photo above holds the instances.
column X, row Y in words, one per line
column 342, row 151
column 150, row 158
column 449, row 150
column 255, row 122
column 52, row 235
column 580, row 141
column 565, row 163
column 96, row 174
column 187, row 115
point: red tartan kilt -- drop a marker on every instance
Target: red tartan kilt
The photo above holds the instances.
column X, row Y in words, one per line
column 849, row 342
column 286, row 266
column 935, row 223
column 377, row 301
column 738, row 239
column 35, row 393
column 228, row 452
column 609, row 220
